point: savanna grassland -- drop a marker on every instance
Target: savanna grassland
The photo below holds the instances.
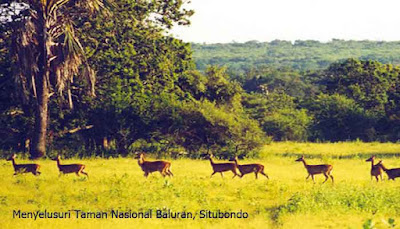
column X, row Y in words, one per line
column 287, row 200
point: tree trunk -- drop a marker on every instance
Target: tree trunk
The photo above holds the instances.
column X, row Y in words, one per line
column 41, row 115
column 38, row 148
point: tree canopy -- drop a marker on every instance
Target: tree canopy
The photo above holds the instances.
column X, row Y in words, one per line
column 155, row 93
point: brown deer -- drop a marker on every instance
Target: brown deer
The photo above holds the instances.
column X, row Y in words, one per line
column 24, row 168
column 392, row 173
column 70, row 168
column 164, row 167
column 317, row 169
column 376, row 171
column 221, row 167
column 249, row 168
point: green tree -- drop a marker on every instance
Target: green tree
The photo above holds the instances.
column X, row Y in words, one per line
column 338, row 118
column 61, row 55
column 221, row 89
column 367, row 82
column 47, row 54
column 138, row 68
column 278, row 115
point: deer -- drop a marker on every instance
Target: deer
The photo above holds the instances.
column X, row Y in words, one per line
column 164, row 167
column 24, row 168
column 249, row 168
column 376, row 171
column 222, row 167
column 392, row 173
column 70, row 168
column 317, row 169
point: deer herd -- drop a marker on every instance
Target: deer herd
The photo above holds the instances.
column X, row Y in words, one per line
column 164, row 168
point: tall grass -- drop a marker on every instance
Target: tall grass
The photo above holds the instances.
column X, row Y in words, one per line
column 287, row 200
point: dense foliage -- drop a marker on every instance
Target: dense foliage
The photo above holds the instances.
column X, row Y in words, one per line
column 349, row 100
column 151, row 97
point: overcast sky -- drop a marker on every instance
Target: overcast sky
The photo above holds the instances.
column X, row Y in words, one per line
column 221, row 21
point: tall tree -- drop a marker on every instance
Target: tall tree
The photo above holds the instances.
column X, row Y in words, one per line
column 136, row 63
column 47, row 54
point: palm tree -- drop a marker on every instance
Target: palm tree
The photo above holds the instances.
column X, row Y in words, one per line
column 48, row 54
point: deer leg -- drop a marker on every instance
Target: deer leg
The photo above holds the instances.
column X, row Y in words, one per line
column 222, row 175
column 331, row 178
column 381, row 177
column 308, row 176
column 312, row 176
column 262, row 172
column 146, row 174
column 85, row 173
column 235, row 174
column 77, row 173
column 256, row 173
column 162, row 173
column 213, row 174
column 377, row 179
column 169, row 171
column 326, row 178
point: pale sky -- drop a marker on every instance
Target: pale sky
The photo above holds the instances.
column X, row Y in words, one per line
column 222, row 21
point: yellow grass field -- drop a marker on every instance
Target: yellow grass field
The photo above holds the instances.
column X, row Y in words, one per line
column 287, row 200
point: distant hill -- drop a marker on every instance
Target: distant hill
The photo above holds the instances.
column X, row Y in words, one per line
column 299, row 55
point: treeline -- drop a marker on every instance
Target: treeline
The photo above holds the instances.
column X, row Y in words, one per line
column 151, row 97
column 349, row 100
column 299, row 55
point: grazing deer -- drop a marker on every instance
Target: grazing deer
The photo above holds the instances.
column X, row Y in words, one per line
column 222, row 167
column 24, row 168
column 392, row 173
column 317, row 169
column 249, row 168
column 71, row 168
column 164, row 167
column 376, row 171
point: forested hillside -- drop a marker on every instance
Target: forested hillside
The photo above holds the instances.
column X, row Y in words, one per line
column 299, row 55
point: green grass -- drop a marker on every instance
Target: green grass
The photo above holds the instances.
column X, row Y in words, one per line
column 284, row 201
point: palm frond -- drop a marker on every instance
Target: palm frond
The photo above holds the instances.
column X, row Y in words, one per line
column 65, row 54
